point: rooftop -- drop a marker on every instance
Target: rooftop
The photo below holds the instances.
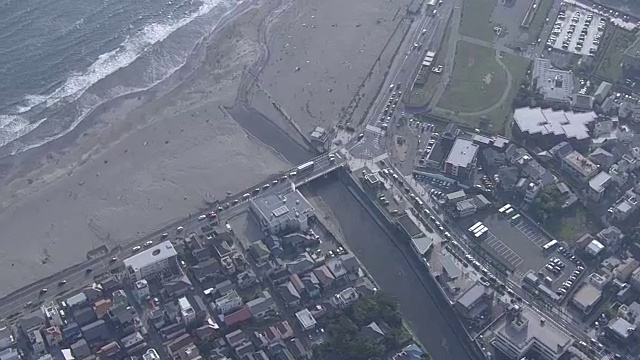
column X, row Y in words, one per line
column 549, row 122
column 305, row 318
column 587, row 296
column 529, row 327
column 471, row 296
column 274, row 207
column 462, row 153
column 553, row 84
column 621, row 327
column 600, row 181
column 152, row 255
column 580, row 164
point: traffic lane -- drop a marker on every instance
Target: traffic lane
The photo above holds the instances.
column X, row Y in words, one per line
column 392, row 271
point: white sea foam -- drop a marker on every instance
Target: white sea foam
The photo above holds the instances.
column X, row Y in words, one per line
column 77, row 84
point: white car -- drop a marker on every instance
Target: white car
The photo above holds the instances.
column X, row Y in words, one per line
column 148, row 243
column 202, row 217
column 136, row 248
column 179, row 228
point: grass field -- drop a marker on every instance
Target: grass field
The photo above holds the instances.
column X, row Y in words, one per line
column 570, row 226
column 535, row 28
column 609, row 67
column 477, row 81
column 500, row 117
column 476, row 16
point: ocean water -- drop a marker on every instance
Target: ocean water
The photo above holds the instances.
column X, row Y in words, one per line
column 59, row 59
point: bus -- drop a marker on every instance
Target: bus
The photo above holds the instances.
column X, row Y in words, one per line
column 480, row 233
column 550, row 245
column 504, row 208
column 479, row 229
column 515, row 217
column 308, row 166
column 475, row 226
column 508, row 211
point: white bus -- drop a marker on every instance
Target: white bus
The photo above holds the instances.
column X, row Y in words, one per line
column 551, row 244
column 475, row 226
column 479, row 229
column 480, row 233
column 504, row 208
column 508, row 211
column 515, row 217
column 308, row 166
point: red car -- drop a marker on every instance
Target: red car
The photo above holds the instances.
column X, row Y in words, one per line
column 213, row 215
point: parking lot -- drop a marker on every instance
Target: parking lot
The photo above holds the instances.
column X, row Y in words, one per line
column 577, row 31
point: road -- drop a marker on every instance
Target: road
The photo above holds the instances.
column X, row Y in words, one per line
column 80, row 276
column 425, row 32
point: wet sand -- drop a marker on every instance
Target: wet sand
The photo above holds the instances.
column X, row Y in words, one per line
column 151, row 158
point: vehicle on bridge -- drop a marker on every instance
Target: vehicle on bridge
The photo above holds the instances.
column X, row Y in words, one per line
column 306, row 167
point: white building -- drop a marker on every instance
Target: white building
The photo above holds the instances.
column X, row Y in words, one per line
column 51, row 312
column 281, row 214
column 597, row 185
column 187, row 312
column 37, row 342
column 228, row 303
column 306, row 319
column 624, row 207
column 153, row 261
column 141, row 290
column 151, row 354
column 524, row 330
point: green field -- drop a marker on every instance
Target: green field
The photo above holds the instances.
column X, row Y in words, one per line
column 570, row 226
column 477, row 81
column 500, row 117
column 609, row 67
column 536, row 25
column 476, row 19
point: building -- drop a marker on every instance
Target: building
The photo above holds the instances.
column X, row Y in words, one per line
column 152, row 262
column 626, row 268
column 594, row 248
column 578, row 166
column 409, row 352
column 51, row 312
column 461, row 159
column 611, row 237
column 6, row 338
column 524, row 330
column 344, row 298
column 262, row 306
column 238, row 316
column 228, row 302
column 621, row 329
column 466, row 208
column 586, row 298
column 10, row 354
column 151, row 354
column 187, row 313
column 581, row 102
column 475, row 302
column 306, row 319
column 281, row 214
column 556, row 86
column 624, row 207
column 36, row 340
column 597, row 185
column 141, row 290
column 556, row 126
column 602, row 158
column 602, row 91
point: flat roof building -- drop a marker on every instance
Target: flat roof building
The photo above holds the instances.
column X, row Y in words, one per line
column 153, row 261
column 306, row 319
column 598, row 184
column 280, row 214
column 462, row 158
column 564, row 125
column 586, row 298
column 579, row 166
column 524, row 330
column 555, row 85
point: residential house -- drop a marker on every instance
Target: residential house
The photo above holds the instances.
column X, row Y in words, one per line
column 289, row 294
column 409, row 352
column 246, row 278
column 238, row 316
column 311, row 284
column 325, row 276
column 365, row 287
column 274, row 245
column 280, row 331
column 224, row 287
column 466, row 208
column 80, row 349
column 611, row 237
column 228, row 303
column 37, row 342
column 7, row 339
column 224, row 248
column 602, row 158
column 508, row 177
column 305, row 319
column 624, row 271
column 84, row 315
column 209, row 269
column 235, row 338
column 176, row 287
column 262, row 306
column 578, row 166
column 259, row 251
column 53, row 335
column 301, row 264
column 298, row 350
column 373, row 332
column 624, row 207
column 344, row 298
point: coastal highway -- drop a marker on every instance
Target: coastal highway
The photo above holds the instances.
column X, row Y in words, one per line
column 424, row 32
column 26, row 299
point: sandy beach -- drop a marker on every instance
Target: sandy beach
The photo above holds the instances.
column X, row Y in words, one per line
column 151, row 158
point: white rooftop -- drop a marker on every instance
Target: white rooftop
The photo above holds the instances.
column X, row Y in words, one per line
column 587, row 296
column 549, row 122
column 462, row 153
column 599, row 182
column 305, row 318
column 152, row 255
column 532, row 328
